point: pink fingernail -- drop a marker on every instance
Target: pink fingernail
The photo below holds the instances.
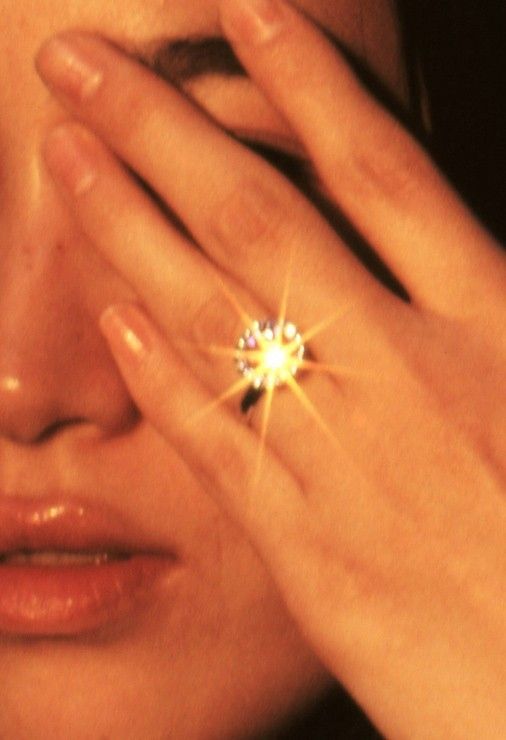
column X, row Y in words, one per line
column 69, row 160
column 253, row 21
column 69, row 69
column 128, row 332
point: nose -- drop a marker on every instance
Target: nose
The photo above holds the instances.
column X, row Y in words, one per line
column 55, row 369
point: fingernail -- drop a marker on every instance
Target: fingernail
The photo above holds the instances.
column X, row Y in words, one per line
column 128, row 331
column 253, row 21
column 69, row 69
column 69, row 161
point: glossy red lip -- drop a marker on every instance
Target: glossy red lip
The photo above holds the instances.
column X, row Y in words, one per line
column 62, row 598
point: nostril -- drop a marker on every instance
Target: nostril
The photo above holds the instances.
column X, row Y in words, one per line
column 27, row 415
column 56, row 374
column 59, row 427
column 56, row 428
column 25, row 428
column 35, row 408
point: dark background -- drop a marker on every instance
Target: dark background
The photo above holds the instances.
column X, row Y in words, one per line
column 461, row 45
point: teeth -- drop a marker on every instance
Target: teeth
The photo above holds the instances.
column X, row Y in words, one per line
column 52, row 557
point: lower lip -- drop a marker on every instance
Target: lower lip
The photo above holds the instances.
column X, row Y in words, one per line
column 38, row 600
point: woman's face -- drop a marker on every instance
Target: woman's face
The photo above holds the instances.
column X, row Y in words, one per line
column 205, row 650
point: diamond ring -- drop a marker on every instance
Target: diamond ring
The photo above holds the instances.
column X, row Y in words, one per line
column 269, row 353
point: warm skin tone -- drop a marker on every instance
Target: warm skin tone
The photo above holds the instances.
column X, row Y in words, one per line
column 385, row 536
column 221, row 654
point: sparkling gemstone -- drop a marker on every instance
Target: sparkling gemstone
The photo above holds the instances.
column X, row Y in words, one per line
column 269, row 353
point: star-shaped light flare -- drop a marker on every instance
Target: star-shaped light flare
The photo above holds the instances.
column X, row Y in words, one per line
column 269, row 355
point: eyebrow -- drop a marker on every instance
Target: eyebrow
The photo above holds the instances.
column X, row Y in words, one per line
column 184, row 59
column 180, row 60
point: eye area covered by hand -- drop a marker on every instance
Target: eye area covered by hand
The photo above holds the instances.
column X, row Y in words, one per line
column 207, row 70
column 156, row 165
column 199, row 170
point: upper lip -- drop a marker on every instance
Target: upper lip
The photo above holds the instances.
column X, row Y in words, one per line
column 55, row 522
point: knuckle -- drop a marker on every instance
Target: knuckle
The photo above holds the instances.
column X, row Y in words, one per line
column 252, row 216
column 393, row 172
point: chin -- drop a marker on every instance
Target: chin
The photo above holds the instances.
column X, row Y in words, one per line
column 201, row 660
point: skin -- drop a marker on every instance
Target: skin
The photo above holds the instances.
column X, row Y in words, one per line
column 383, row 526
column 226, row 632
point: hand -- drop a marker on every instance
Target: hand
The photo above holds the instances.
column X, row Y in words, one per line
column 379, row 504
